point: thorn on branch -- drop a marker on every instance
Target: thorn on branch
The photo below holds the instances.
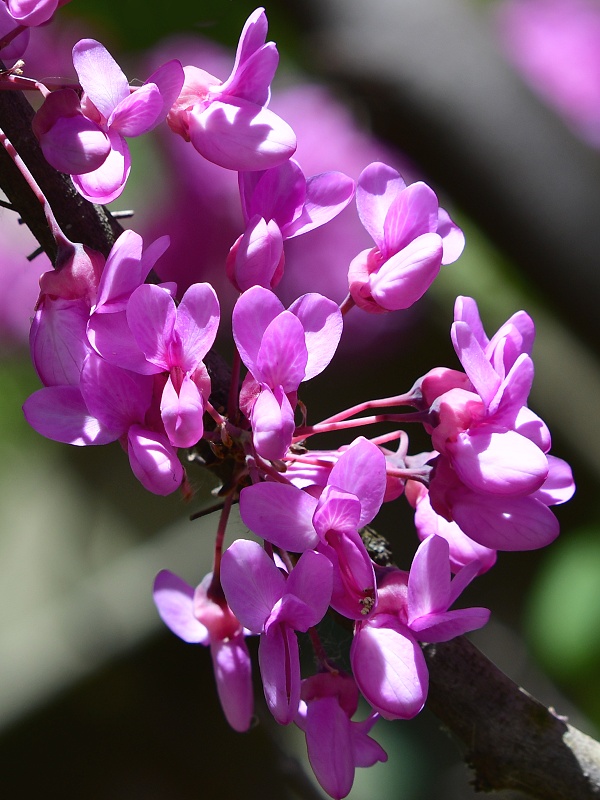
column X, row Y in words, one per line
column 35, row 253
column 125, row 214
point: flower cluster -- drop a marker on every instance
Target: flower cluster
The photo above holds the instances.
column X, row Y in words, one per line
column 121, row 358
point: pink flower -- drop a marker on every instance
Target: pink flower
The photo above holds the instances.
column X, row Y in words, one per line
column 87, row 140
column 336, row 745
column 109, row 403
column 413, row 238
column 274, row 605
column 228, row 123
column 292, row 519
column 387, row 662
column 196, row 618
column 281, row 349
column 278, row 204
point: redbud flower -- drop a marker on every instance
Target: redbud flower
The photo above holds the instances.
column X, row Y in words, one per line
column 336, row 745
column 387, row 662
column 88, row 140
column 278, row 204
column 413, row 238
column 197, row 619
column 228, row 123
column 274, row 605
column 295, row 520
column 281, row 349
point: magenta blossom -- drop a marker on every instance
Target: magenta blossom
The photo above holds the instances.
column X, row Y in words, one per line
column 387, row 662
column 228, row 123
column 493, row 450
column 196, row 618
column 109, row 404
column 413, row 238
column 336, row 745
column 268, row 602
column 175, row 340
column 278, row 204
column 295, row 520
column 281, row 349
column 87, row 139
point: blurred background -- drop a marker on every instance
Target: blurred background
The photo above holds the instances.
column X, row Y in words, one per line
column 497, row 106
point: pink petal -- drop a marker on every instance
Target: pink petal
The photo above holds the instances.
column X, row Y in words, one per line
column 361, row 470
column 498, row 461
column 233, row 674
column 453, row 238
column 559, row 486
column 139, row 112
column 476, row 364
column 174, row 600
column 127, row 267
column 253, row 312
column 116, row 396
column 390, row 669
column 506, row 523
column 465, row 310
column 252, row 80
column 273, row 424
column 329, row 746
column 60, row 413
column 111, row 337
column 99, row 75
column 463, row 550
column 281, row 514
column 58, row 342
column 282, row 357
column 32, row 12
column 326, row 196
column 405, row 277
column 336, row 511
column 429, row 579
column 354, row 593
column 197, row 323
column 153, row 461
column 169, row 79
column 257, row 257
column 106, row 183
column 240, row 135
column 276, row 194
column 75, row 145
column 311, row 582
column 446, row 626
column 151, row 315
column 378, row 185
column 182, row 412
column 251, row 582
column 279, row 661
column 322, row 322
column 412, row 213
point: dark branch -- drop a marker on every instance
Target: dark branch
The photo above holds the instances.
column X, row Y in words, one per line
column 512, row 741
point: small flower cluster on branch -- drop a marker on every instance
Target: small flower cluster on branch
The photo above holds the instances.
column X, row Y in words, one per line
column 122, row 359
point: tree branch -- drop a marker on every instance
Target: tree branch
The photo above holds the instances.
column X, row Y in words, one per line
column 512, row 741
